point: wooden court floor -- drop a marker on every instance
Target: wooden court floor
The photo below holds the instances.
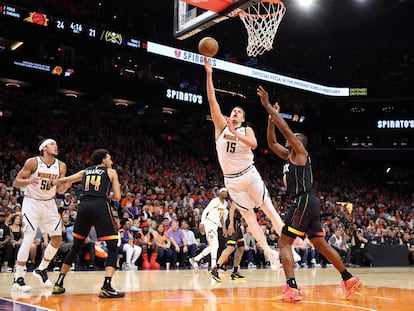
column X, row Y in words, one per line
column 384, row 289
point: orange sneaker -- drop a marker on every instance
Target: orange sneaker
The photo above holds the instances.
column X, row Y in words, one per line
column 290, row 294
column 351, row 286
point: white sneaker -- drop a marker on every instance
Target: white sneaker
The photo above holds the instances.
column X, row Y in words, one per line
column 251, row 265
column 20, row 286
column 41, row 275
column 274, row 260
column 296, row 257
column 132, row 266
column 194, row 263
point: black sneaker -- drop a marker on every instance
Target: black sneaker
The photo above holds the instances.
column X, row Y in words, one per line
column 237, row 276
column 215, row 275
column 57, row 290
column 110, row 293
column 41, row 275
column 223, row 267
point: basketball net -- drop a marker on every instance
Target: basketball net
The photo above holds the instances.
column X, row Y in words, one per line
column 262, row 20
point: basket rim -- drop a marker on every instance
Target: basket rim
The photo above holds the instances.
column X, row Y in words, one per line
column 282, row 7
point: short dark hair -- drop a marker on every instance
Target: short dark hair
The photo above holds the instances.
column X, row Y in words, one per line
column 302, row 137
column 98, row 156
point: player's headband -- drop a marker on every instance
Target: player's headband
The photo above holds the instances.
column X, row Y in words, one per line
column 45, row 143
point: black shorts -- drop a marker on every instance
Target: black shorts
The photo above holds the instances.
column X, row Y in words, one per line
column 95, row 212
column 236, row 238
column 303, row 217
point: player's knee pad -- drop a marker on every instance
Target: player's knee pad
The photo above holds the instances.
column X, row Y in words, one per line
column 75, row 249
column 112, row 253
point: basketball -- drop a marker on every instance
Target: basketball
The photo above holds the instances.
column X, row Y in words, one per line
column 208, row 46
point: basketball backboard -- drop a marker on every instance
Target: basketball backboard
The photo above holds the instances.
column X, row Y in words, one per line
column 194, row 16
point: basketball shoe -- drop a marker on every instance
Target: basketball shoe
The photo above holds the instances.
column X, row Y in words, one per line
column 296, row 256
column 110, row 293
column 57, row 290
column 20, row 286
column 351, row 286
column 290, row 294
column 274, row 260
column 41, row 275
column 237, row 276
column 194, row 263
column 215, row 275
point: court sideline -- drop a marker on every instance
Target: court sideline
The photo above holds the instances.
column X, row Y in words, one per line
column 384, row 289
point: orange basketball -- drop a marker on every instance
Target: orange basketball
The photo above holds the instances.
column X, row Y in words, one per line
column 208, row 46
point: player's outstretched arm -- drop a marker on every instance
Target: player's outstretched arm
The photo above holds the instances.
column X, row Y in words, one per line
column 280, row 123
column 68, row 179
column 215, row 110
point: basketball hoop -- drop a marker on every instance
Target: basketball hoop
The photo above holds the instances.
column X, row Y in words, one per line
column 262, row 20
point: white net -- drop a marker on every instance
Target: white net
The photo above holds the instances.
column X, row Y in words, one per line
column 262, row 20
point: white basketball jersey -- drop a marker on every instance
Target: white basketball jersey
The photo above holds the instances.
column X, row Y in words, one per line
column 233, row 155
column 43, row 190
column 214, row 211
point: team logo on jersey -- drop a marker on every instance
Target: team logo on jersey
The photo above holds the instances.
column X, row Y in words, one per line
column 47, row 175
column 230, row 137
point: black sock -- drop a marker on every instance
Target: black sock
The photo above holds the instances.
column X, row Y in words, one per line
column 292, row 283
column 60, row 279
column 346, row 275
column 107, row 282
column 235, row 269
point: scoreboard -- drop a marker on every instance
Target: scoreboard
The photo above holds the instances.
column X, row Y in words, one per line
column 71, row 26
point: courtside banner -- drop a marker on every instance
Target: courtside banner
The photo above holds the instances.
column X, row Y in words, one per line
column 195, row 58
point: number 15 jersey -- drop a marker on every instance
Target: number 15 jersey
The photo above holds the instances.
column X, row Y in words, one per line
column 233, row 155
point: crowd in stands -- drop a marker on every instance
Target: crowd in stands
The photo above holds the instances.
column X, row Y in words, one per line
column 167, row 184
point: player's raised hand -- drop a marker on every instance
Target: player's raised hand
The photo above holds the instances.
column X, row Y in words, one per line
column 207, row 66
column 263, row 95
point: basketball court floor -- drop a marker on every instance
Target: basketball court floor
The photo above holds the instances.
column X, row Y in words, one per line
column 384, row 289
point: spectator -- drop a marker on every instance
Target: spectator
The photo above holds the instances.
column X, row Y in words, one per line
column 6, row 248
column 179, row 244
column 164, row 246
column 338, row 242
column 132, row 251
column 145, row 240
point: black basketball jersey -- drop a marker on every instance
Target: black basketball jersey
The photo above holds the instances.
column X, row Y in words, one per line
column 298, row 179
column 96, row 182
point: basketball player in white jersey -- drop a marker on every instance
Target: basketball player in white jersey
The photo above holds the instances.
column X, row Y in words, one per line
column 211, row 217
column 234, row 145
column 39, row 210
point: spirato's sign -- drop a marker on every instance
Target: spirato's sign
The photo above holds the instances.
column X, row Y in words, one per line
column 184, row 96
column 395, row 124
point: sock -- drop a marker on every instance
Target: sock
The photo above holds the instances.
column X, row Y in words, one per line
column 19, row 273
column 346, row 275
column 107, row 282
column 292, row 283
column 235, row 269
column 59, row 281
